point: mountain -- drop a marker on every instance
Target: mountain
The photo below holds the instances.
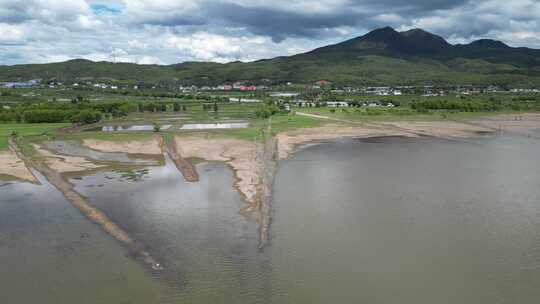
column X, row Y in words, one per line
column 381, row 57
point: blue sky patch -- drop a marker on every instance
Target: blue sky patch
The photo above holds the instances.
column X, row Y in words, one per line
column 101, row 9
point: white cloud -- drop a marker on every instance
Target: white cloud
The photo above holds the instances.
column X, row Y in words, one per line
column 11, row 34
column 172, row 31
column 209, row 47
column 149, row 60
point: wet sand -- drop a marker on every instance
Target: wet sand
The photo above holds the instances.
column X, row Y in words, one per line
column 12, row 165
column 183, row 165
column 148, row 147
column 519, row 124
column 443, row 129
column 288, row 142
column 240, row 155
column 64, row 163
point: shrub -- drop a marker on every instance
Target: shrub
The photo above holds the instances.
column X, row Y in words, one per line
column 45, row 116
column 86, row 117
column 8, row 117
column 156, row 126
column 267, row 111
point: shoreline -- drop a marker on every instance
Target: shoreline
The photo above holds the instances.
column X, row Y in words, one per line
column 253, row 163
column 287, row 143
column 57, row 179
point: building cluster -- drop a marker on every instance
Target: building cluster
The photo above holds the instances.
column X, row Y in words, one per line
column 237, row 86
column 249, row 86
column 342, row 104
column 20, row 84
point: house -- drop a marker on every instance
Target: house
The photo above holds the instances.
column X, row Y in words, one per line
column 304, row 104
column 279, row 94
column 337, row 104
column 243, row 100
column 248, row 88
column 323, row 83
column 373, row 104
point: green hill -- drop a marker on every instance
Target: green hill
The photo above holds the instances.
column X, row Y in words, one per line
column 381, row 57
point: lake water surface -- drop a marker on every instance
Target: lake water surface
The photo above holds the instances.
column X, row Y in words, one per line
column 388, row 220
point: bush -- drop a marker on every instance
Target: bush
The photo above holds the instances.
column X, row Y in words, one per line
column 267, row 111
column 156, row 126
column 86, row 117
column 9, row 117
column 45, row 116
column 263, row 113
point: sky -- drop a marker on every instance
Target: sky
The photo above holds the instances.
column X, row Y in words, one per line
column 173, row 31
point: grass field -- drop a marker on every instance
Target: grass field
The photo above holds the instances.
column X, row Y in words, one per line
column 25, row 130
column 397, row 114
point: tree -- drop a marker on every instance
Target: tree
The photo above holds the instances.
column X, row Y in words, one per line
column 86, row 117
column 156, row 126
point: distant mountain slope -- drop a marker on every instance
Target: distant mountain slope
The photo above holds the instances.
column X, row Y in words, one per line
column 383, row 56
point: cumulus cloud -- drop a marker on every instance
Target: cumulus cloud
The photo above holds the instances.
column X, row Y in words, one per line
column 171, row 31
column 11, row 34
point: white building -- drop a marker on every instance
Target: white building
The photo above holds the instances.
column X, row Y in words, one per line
column 337, row 104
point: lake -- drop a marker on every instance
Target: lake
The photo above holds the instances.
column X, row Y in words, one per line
column 382, row 220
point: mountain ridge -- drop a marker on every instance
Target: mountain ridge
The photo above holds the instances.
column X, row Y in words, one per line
column 382, row 56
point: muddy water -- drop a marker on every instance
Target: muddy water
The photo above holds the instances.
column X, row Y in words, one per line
column 76, row 149
column 209, row 126
column 50, row 253
column 129, row 128
column 409, row 221
column 208, row 250
column 384, row 220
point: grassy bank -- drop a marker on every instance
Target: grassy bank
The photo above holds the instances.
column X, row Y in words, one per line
column 399, row 114
column 26, row 130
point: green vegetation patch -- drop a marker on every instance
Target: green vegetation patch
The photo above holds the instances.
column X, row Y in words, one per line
column 26, row 130
column 282, row 123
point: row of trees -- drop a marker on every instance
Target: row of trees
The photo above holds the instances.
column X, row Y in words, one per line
column 54, row 112
column 79, row 111
column 474, row 105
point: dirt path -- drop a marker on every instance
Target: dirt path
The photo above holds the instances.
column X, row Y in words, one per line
column 267, row 156
column 185, row 167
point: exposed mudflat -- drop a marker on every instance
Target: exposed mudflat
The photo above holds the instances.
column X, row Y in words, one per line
column 521, row 124
column 150, row 146
column 11, row 165
column 440, row 128
column 287, row 142
column 64, row 163
column 241, row 155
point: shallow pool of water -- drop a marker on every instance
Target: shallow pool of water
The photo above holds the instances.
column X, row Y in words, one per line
column 51, row 254
column 76, row 149
column 209, row 126
column 129, row 128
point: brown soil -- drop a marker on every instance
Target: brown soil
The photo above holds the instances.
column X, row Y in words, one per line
column 63, row 163
column 241, row 155
column 445, row 129
column 520, row 124
column 12, row 165
column 287, row 142
column 185, row 167
column 148, row 147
